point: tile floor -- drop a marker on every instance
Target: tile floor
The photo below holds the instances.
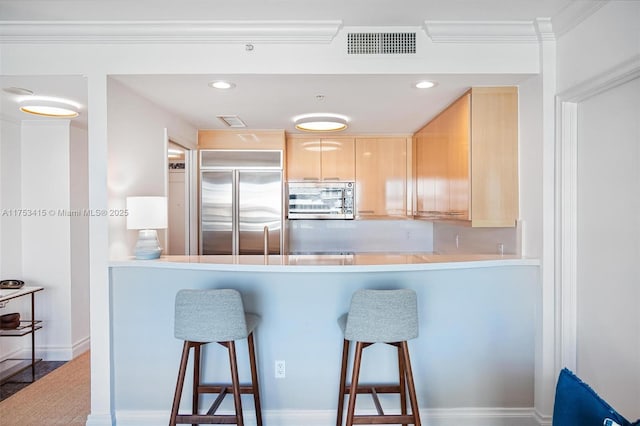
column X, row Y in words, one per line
column 23, row 379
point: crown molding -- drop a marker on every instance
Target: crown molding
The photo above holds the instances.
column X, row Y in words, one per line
column 544, row 29
column 168, row 31
column 574, row 13
column 481, row 31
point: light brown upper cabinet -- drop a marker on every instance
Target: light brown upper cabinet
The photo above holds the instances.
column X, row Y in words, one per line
column 467, row 160
column 317, row 159
column 241, row 139
column 381, row 177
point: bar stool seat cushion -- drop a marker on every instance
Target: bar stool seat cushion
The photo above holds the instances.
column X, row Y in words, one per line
column 212, row 315
column 380, row 316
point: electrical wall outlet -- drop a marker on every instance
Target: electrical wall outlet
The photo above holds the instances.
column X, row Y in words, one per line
column 280, row 370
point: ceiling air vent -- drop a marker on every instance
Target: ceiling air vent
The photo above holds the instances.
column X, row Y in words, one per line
column 231, row 120
column 381, row 43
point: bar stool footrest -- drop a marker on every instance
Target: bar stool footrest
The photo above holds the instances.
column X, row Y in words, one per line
column 207, row 420
column 383, row 420
column 382, row 388
column 217, row 388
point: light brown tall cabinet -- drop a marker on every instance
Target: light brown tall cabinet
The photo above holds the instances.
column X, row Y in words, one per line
column 467, row 160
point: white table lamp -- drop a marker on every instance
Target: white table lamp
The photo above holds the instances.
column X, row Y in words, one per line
column 147, row 214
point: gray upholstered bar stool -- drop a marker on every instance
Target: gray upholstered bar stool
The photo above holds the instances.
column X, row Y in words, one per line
column 379, row 316
column 205, row 316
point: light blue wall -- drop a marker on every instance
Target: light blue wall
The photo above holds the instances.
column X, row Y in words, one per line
column 475, row 349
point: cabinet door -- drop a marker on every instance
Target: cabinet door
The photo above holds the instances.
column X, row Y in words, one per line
column 338, row 159
column 438, row 163
column 381, row 177
column 303, row 159
column 425, row 175
column 458, row 125
column 494, row 150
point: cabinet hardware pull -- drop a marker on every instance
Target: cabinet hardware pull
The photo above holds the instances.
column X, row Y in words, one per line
column 365, row 211
column 310, row 178
column 331, row 178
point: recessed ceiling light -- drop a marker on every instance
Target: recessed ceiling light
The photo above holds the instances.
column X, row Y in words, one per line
column 424, row 84
column 49, row 108
column 221, row 84
column 321, row 122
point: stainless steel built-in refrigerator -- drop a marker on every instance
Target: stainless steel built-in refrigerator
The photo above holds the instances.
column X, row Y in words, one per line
column 237, row 202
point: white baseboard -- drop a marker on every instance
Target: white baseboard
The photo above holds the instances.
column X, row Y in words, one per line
column 432, row 417
column 81, row 346
column 101, row 420
column 541, row 419
column 63, row 353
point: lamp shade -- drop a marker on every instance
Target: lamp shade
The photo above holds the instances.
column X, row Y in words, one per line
column 146, row 212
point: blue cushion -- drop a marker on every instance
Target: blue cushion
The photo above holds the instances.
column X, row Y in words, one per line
column 576, row 404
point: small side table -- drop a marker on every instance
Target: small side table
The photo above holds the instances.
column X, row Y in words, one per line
column 12, row 366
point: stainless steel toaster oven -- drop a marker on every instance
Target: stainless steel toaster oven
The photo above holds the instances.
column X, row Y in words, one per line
column 321, row 200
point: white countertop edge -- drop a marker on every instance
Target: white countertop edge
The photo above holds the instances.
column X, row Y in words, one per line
column 391, row 267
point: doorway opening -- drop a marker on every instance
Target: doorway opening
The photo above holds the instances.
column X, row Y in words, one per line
column 179, row 187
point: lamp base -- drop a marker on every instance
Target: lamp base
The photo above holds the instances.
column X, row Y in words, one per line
column 147, row 246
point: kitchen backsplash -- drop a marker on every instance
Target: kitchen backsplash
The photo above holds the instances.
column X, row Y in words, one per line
column 451, row 238
column 360, row 236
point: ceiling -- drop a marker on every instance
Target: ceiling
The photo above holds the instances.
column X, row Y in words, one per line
column 374, row 103
column 378, row 104
column 350, row 12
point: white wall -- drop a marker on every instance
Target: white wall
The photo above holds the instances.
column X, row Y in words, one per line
column 46, row 234
column 609, row 250
column 530, row 165
column 79, row 242
column 10, row 198
column 10, row 224
column 44, row 169
column 137, row 156
column 608, row 37
column 608, row 209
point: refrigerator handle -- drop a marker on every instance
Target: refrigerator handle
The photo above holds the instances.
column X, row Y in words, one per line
column 266, row 241
column 235, row 226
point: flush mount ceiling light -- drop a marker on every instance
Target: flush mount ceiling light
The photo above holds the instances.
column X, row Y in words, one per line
column 221, row 84
column 424, row 84
column 49, row 107
column 321, row 122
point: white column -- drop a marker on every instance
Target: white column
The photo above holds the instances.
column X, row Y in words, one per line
column 101, row 403
column 546, row 337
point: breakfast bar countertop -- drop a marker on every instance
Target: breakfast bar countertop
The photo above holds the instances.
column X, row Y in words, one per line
column 331, row 262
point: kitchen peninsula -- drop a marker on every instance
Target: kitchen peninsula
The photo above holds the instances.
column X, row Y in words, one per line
column 476, row 346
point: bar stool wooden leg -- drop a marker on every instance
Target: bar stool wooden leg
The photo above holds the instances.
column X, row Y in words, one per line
column 196, row 378
column 181, row 373
column 412, row 390
column 353, row 391
column 402, row 383
column 343, row 380
column 254, row 379
column 235, row 382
